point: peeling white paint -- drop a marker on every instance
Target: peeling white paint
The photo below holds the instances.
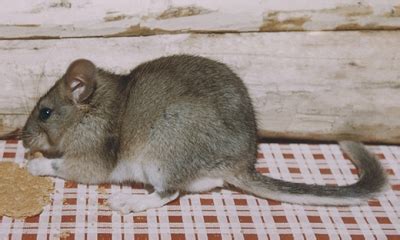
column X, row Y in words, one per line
column 76, row 18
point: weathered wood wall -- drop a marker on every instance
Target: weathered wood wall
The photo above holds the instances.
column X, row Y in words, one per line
column 310, row 83
column 314, row 85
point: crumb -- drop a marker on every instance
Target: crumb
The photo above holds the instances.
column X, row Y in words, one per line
column 103, row 204
column 65, row 234
column 31, row 155
column 102, row 190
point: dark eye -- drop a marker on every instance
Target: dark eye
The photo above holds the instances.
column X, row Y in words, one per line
column 45, row 113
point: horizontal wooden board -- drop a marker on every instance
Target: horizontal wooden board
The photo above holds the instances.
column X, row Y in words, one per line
column 316, row 85
column 76, row 18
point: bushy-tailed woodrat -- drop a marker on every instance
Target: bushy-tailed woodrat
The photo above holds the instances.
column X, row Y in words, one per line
column 179, row 123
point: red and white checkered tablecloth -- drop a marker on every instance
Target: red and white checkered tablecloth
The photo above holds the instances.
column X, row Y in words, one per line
column 78, row 211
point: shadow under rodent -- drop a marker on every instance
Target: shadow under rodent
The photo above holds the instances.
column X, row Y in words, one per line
column 179, row 123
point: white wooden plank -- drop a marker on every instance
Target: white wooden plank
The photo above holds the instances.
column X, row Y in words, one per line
column 76, row 18
column 313, row 85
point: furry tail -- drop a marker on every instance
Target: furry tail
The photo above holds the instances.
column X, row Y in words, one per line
column 372, row 181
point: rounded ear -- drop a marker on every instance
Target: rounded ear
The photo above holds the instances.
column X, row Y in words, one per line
column 80, row 80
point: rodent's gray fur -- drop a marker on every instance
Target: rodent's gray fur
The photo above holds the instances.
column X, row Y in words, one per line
column 187, row 117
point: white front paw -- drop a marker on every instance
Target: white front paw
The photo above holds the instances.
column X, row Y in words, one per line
column 40, row 167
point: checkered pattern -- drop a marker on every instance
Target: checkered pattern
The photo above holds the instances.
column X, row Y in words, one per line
column 78, row 211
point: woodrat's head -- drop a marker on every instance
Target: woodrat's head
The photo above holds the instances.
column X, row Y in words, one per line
column 60, row 108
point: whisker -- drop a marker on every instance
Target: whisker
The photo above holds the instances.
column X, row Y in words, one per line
column 12, row 135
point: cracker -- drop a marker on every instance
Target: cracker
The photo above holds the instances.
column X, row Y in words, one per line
column 21, row 194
